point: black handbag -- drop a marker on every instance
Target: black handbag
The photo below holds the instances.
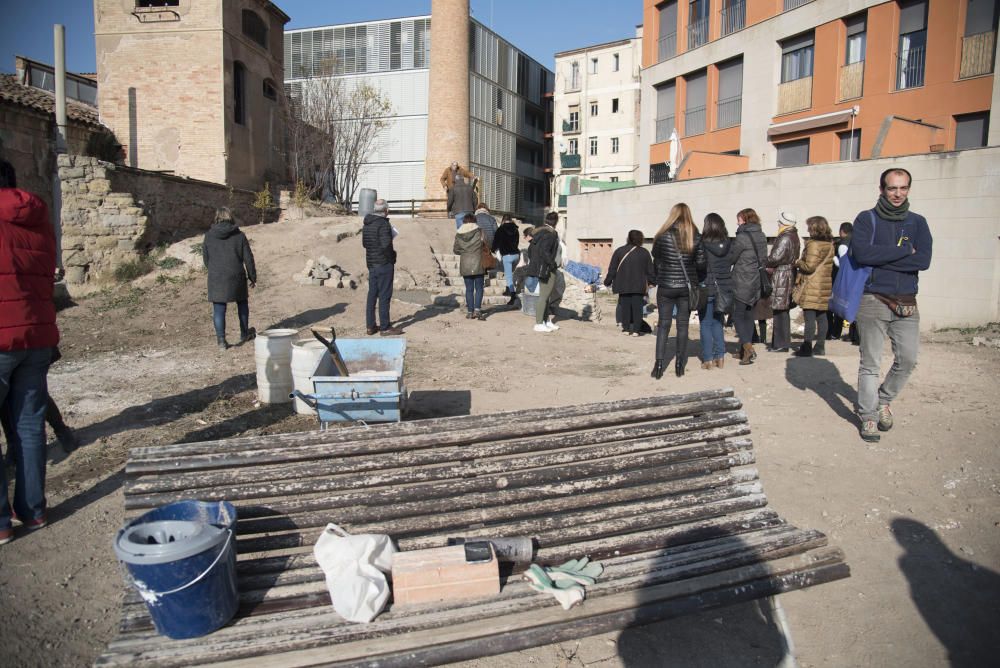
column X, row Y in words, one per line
column 766, row 288
column 695, row 294
column 723, row 300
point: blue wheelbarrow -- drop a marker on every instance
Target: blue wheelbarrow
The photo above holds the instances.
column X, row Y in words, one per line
column 373, row 390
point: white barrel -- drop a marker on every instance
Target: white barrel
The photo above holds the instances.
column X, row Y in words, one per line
column 273, row 353
column 305, row 358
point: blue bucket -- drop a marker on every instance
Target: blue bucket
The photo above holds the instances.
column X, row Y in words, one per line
column 182, row 560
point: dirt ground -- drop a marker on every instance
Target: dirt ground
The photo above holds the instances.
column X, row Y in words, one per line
column 918, row 515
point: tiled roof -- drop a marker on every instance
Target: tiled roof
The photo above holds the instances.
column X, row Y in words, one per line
column 45, row 102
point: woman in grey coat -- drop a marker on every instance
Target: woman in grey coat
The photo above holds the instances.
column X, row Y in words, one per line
column 230, row 265
column 746, row 255
column 468, row 246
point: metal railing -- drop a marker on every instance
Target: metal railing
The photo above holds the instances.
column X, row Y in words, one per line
column 694, row 121
column 569, row 160
column 730, row 112
column 571, row 126
column 664, row 126
column 734, row 17
column 910, row 68
column 414, row 206
column 977, row 54
column 667, row 46
column 792, row 4
column 697, row 33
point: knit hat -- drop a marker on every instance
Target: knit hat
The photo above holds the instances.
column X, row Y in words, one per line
column 787, row 218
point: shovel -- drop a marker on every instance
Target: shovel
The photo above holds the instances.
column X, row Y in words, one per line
column 331, row 345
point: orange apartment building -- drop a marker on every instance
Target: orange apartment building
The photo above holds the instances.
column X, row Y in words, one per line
column 757, row 84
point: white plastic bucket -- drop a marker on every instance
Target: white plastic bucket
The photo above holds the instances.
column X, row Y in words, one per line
column 305, row 357
column 273, row 354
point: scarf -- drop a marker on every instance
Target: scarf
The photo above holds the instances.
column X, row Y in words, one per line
column 886, row 211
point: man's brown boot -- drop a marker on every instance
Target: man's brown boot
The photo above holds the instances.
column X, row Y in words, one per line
column 748, row 354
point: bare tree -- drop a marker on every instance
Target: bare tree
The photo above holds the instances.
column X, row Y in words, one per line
column 334, row 125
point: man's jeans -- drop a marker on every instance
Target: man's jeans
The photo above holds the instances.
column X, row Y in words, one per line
column 219, row 317
column 459, row 216
column 24, row 387
column 875, row 321
column 508, row 269
column 380, row 290
column 474, row 292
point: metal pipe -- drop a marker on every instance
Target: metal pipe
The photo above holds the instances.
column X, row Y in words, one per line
column 59, row 42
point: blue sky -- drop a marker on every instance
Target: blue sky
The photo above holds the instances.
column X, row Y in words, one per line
column 539, row 27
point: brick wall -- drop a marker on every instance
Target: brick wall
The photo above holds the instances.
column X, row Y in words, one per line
column 113, row 214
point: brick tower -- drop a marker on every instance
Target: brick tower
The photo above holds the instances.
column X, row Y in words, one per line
column 448, row 114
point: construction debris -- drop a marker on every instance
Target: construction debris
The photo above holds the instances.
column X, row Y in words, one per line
column 324, row 272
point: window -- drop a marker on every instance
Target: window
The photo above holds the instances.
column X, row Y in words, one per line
column 730, row 105
column 269, row 91
column 614, row 179
column 912, row 48
column 980, row 17
column 614, row 144
column 855, row 51
column 793, row 153
column 615, row 62
column 797, row 58
column 665, row 105
column 574, row 147
column 850, row 145
column 574, row 120
column 971, row 130
column 659, row 172
column 667, row 42
column 395, row 45
column 593, row 66
column 694, row 111
column 593, row 108
column 697, row 23
column 157, row 3
column 239, row 92
column 593, row 146
column 254, row 27
column 574, row 75
column 733, row 15
column 614, row 105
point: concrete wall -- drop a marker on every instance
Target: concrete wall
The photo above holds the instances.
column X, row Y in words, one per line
column 112, row 215
column 958, row 193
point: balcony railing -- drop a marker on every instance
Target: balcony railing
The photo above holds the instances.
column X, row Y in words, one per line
column 910, row 70
column 569, row 160
column 697, row 33
column 852, row 80
column 792, row 4
column 694, row 121
column 667, row 47
column 525, row 168
column 730, row 112
column 734, row 17
column 795, row 95
column 571, row 126
column 977, row 54
column 664, row 126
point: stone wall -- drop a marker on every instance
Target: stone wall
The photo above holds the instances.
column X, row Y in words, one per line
column 113, row 214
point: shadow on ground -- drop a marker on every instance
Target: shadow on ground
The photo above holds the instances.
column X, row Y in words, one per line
column 821, row 376
column 310, row 317
column 438, row 403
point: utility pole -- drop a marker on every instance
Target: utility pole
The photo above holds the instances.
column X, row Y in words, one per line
column 59, row 39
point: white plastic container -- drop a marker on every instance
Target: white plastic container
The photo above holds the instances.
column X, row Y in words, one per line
column 273, row 354
column 306, row 355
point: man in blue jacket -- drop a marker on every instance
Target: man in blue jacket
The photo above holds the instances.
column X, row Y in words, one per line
column 896, row 244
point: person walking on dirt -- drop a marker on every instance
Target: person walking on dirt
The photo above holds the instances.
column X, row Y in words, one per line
column 230, row 265
column 468, row 246
column 505, row 242
column 28, row 337
column 896, row 243
column 380, row 256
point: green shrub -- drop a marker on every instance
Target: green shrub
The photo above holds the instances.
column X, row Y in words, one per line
column 129, row 271
column 170, row 262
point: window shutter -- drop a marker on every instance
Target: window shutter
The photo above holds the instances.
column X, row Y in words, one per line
column 912, row 17
column 665, row 100
column 855, row 24
column 731, row 79
column 796, row 43
column 696, row 90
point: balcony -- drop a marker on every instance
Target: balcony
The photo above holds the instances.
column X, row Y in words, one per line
column 569, row 160
column 573, row 85
column 795, row 95
column 664, row 126
column 528, row 170
column 730, row 112
column 694, row 121
column 977, row 54
column 852, row 80
column 910, row 68
column 792, row 4
column 571, row 127
column 667, row 46
column 733, row 17
column 697, row 33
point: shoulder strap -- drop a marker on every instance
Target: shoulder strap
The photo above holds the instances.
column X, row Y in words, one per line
column 623, row 259
column 871, row 214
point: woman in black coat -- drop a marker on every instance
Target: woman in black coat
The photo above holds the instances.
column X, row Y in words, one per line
column 719, row 285
column 230, row 265
column 746, row 255
column 678, row 260
column 629, row 274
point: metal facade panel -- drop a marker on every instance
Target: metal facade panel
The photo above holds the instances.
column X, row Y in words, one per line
column 394, row 181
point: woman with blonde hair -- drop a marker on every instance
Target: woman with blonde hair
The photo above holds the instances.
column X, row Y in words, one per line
column 678, row 259
column 815, row 283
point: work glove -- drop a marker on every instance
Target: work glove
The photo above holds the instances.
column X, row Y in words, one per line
column 575, row 571
column 568, row 595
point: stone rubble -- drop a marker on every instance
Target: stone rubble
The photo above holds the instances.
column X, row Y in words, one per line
column 324, row 272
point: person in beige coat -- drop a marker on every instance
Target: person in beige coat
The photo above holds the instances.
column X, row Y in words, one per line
column 814, row 285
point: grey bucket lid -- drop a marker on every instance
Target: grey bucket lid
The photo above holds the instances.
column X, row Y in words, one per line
column 165, row 541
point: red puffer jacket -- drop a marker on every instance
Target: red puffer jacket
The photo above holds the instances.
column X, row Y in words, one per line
column 27, row 269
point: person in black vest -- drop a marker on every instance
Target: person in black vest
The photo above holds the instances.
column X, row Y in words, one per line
column 719, row 283
column 229, row 260
column 630, row 273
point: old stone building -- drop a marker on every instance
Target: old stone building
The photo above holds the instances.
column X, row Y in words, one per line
column 192, row 87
